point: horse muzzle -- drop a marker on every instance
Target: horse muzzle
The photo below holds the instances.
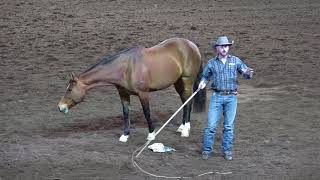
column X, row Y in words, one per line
column 63, row 108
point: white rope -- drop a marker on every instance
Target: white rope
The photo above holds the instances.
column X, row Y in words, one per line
column 135, row 164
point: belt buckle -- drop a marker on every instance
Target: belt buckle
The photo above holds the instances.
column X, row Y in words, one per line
column 224, row 92
column 228, row 92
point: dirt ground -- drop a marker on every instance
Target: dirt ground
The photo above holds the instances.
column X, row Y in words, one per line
column 277, row 129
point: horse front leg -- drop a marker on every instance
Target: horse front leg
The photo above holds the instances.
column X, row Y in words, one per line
column 125, row 101
column 144, row 99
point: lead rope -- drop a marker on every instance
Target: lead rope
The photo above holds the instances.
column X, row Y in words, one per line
column 135, row 164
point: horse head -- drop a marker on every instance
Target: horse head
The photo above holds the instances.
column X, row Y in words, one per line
column 74, row 94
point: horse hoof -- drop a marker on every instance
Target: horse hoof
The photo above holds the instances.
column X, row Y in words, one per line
column 151, row 136
column 181, row 127
column 185, row 132
column 124, row 138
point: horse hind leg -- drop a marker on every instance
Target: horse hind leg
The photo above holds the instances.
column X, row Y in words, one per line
column 184, row 88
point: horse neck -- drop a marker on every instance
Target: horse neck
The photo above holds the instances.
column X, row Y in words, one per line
column 104, row 75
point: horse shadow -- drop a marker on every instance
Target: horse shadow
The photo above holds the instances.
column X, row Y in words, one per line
column 107, row 123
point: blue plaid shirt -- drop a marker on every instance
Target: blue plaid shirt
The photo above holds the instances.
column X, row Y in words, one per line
column 224, row 76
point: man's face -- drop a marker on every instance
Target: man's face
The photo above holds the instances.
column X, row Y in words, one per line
column 223, row 50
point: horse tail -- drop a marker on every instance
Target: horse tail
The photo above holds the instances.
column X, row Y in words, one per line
column 200, row 99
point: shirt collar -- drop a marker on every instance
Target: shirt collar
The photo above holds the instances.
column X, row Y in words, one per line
column 228, row 57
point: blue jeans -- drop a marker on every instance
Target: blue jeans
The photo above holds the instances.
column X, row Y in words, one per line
column 226, row 104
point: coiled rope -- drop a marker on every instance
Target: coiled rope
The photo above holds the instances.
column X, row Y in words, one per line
column 141, row 148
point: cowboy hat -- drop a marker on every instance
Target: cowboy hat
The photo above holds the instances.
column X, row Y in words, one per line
column 222, row 40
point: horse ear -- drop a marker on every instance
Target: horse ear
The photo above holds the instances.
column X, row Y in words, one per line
column 72, row 76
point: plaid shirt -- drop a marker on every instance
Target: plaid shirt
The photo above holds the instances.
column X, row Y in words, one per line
column 224, row 76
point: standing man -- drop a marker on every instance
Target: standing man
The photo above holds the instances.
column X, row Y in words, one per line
column 222, row 70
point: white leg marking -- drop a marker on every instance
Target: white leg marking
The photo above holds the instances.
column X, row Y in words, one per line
column 185, row 132
column 151, row 136
column 124, row 138
column 187, row 125
column 181, row 127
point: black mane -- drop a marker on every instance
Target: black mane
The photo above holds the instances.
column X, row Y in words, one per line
column 109, row 58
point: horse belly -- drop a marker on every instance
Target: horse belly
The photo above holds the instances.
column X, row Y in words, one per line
column 162, row 77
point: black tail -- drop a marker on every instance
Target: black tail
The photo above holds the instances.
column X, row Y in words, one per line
column 200, row 99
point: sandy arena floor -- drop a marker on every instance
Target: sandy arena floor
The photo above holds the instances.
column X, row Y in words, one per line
column 277, row 129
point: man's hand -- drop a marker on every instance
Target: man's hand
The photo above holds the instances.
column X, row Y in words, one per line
column 250, row 72
column 202, row 85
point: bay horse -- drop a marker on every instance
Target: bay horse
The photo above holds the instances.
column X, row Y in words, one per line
column 138, row 71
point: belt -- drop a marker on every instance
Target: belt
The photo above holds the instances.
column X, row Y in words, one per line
column 226, row 92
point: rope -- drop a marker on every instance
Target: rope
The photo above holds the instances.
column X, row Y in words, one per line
column 135, row 164
column 148, row 142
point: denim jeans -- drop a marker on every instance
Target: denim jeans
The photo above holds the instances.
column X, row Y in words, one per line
column 226, row 104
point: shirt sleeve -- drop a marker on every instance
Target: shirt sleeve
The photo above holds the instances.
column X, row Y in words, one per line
column 242, row 69
column 206, row 73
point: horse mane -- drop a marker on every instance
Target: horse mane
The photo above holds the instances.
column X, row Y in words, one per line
column 109, row 58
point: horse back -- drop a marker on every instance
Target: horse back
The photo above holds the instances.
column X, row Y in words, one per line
column 160, row 66
column 184, row 53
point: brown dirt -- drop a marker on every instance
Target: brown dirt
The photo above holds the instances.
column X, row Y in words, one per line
column 277, row 131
